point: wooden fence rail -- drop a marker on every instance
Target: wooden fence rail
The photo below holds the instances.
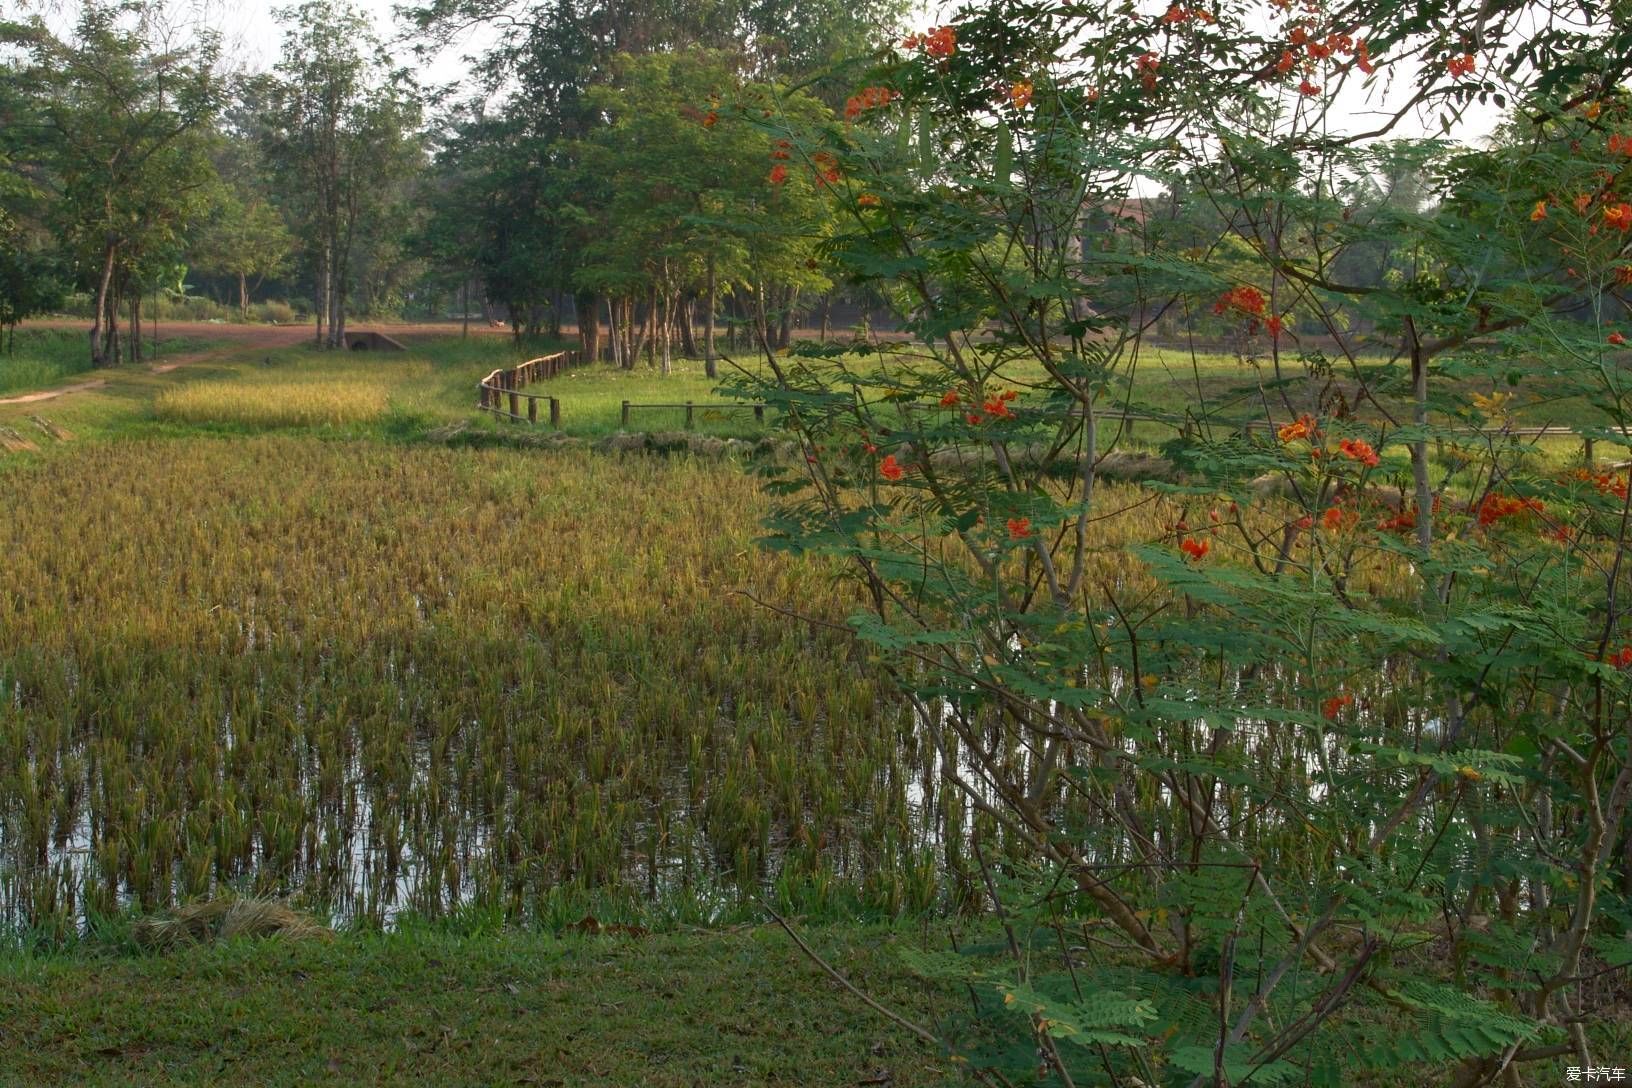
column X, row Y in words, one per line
column 505, row 384
column 759, row 411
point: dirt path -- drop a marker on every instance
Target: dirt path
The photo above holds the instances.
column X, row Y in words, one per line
column 237, row 338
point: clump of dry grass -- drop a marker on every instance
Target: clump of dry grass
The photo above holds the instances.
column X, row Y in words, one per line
column 224, row 919
column 273, row 404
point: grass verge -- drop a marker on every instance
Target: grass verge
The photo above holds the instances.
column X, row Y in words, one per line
column 422, row 1006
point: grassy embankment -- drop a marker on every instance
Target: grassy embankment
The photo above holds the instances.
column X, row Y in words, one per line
column 422, row 1007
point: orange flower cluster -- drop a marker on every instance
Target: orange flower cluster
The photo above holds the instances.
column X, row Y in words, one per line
column 781, row 151
column 1195, row 549
column 1019, row 528
column 1332, row 707
column 1357, row 450
column 1620, row 658
column 1493, row 508
column 868, row 98
column 1620, row 145
column 995, row 407
column 1618, row 215
column 1176, row 14
column 1406, row 520
column 1146, row 66
column 868, row 200
column 940, row 42
column 1332, row 520
column 1302, row 427
column 827, row 167
column 949, row 399
column 1335, row 44
column 779, row 174
column 1604, row 482
column 1617, row 339
column 1273, row 324
column 1539, row 212
column 888, row 468
column 1020, row 94
column 1461, row 66
column 1362, row 58
column 711, row 118
column 1247, row 300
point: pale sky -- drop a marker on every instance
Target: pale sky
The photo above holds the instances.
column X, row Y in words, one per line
column 253, row 38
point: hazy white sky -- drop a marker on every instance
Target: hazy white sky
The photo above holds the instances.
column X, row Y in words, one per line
column 253, row 39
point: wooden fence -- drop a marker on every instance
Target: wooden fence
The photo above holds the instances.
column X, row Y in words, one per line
column 628, row 406
column 500, row 392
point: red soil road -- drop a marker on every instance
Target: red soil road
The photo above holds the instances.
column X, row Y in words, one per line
column 238, row 338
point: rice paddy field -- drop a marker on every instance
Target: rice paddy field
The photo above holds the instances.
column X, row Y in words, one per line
column 257, row 639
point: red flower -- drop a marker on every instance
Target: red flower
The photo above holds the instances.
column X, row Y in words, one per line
column 1362, row 58
column 1020, row 94
column 996, row 408
column 1305, row 522
column 869, row 447
column 1460, row 66
column 1356, row 450
column 779, row 174
column 888, row 469
column 710, row 119
column 1273, row 324
column 1302, row 427
column 1620, row 145
column 1248, row 300
column 1146, row 66
column 949, row 399
column 941, row 42
column 1195, row 549
column 866, row 99
column 1284, row 65
column 1019, row 528
column 1334, row 706
column 1332, row 519
column 1307, row 88
column 1617, row 339
column 868, row 200
column 973, row 418
column 1494, row 508
column 1618, row 216
column 1010, row 394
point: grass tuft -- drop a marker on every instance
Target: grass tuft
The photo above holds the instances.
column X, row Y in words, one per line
column 225, row 919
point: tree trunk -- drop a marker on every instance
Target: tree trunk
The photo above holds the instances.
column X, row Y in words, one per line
column 586, row 308
column 243, row 296
column 649, row 328
column 103, row 284
column 464, row 312
column 709, row 366
column 827, row 313
column 784, row 335
column 687, row 314
column 136, row 326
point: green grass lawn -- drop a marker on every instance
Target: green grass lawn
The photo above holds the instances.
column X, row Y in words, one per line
column 418, row 1007
column 42, row 358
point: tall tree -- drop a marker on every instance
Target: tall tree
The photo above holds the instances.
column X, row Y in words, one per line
column 340, row 130
column 122, row 106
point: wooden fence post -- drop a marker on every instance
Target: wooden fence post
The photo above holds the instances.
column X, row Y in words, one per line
column 1586, row 452
column 759, row 413
column 532, row 409
column 515, row 402
column 688, row 415
column 555, row 413
column 626, row 415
